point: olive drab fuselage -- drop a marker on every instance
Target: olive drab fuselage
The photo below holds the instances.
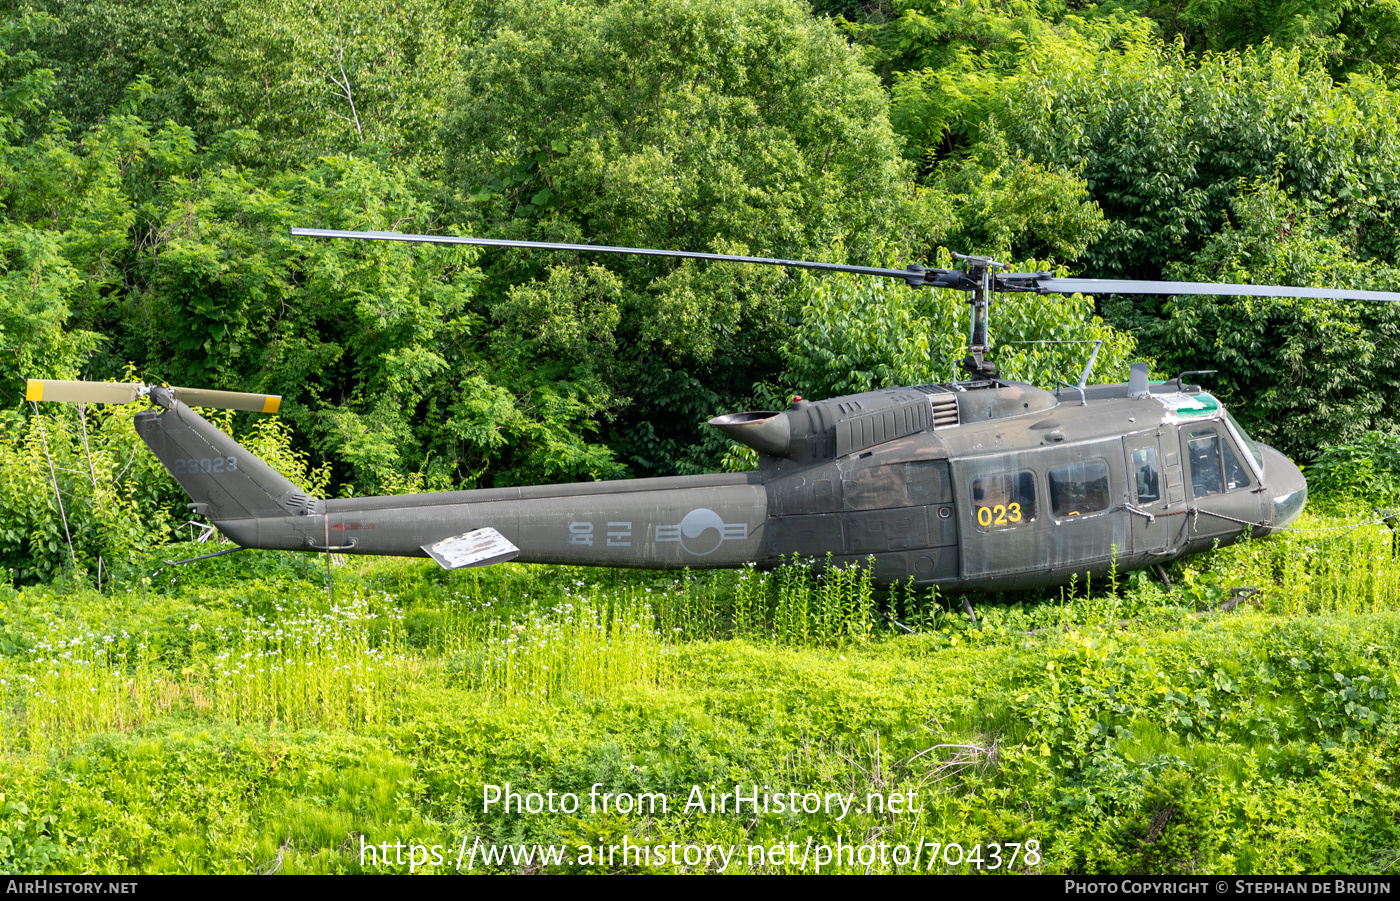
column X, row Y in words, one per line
column 981, row 486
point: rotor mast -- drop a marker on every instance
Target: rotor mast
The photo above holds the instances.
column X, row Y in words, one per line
column 980, row 271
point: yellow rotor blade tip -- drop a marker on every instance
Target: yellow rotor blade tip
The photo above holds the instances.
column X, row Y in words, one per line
column 271, row 404
column 34, row 389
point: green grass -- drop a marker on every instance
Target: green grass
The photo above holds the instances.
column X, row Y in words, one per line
column 238, row 721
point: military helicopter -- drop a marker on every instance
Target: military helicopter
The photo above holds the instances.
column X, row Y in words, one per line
column 984, row 484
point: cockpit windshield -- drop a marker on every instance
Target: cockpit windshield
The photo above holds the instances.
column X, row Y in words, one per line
column 1248, row 441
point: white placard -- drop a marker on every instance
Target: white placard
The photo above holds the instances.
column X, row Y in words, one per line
column 479, row 547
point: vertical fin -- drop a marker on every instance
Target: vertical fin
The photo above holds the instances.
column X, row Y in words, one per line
column 223, row 479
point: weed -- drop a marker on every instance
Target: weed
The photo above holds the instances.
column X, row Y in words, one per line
column 339, row 667
column 590, row 644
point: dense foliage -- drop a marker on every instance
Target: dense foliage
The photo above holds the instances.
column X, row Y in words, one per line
column 1254, row 162
column 746, row 128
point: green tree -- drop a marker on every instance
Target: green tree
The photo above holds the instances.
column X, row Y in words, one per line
column 65, row 213
column 1239, row 167
column 997, row 202
column 325, row 77
column 146, row 58
column 1299, row 373
column 952, row 65
column 352, row 333
column 735, row 127
column 1163, row 142
column 1350, row 36
column 365, row 77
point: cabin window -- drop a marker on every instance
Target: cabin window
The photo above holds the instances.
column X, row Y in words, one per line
column 1079, row 489
column 1145, row 475
column 1214, row 467
column 1005, row 500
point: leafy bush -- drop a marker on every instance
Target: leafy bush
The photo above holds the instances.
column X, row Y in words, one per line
column 117, row 500
column 1365, row 470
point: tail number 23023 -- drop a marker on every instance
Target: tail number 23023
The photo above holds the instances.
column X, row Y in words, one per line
column 194, row 465
column 999, row 515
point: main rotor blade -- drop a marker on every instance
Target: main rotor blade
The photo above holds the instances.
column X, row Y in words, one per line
column 914, row 275
column 1126, row 286
column 228, row 400
column 81, row 392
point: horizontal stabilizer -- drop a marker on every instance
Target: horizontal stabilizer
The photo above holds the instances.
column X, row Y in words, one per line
column 479, row 547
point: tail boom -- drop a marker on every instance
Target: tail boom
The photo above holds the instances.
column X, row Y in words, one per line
column 702, row 525
column 668, row 523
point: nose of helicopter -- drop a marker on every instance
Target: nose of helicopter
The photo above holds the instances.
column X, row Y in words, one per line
column 1286, row 482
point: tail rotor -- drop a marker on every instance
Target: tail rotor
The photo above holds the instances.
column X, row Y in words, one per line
column 126, row 392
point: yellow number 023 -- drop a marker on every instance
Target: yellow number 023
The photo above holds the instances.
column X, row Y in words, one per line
column 999, row 515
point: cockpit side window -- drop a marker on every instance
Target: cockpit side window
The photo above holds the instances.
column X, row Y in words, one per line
column 1215, row 468
column 1249, row 443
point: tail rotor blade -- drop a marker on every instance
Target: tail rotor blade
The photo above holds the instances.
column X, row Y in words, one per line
column 81, row 392
column 125, row 393
column 228, row 400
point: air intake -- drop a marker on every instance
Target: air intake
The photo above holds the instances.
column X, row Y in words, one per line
column 944, row 404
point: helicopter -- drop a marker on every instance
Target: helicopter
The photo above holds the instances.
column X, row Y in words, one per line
column 984, row 484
